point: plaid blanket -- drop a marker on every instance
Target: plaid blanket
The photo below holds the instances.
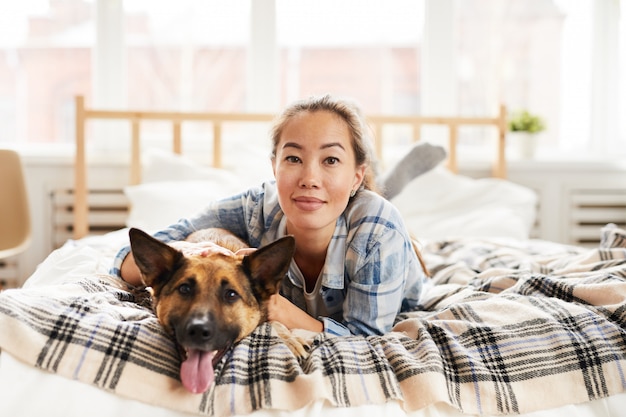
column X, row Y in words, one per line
column 506, row 327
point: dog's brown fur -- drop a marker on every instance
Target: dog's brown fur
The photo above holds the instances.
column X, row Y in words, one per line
column 210, row 302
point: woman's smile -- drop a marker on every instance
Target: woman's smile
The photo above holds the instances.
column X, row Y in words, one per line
column 308, row 203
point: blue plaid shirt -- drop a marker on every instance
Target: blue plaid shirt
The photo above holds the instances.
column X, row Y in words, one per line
column 371, row 271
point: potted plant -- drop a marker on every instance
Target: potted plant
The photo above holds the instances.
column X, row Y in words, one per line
column 526, row 126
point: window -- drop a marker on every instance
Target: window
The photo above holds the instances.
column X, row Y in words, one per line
column 367, row 50
column 45, row 59
column 509, row 52
column 187, row 55
column 562, row 59
column 558, row 59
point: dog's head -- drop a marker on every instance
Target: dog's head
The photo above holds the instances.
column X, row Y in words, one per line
column 209, row 302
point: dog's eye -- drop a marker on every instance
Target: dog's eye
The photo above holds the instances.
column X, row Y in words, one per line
column 230, row 296
column 184, row 289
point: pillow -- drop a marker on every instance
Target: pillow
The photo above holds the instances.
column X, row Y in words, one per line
column 156, row 205
column 175, row 186
column 159, row 165
column 440, row 204
column 250, row 169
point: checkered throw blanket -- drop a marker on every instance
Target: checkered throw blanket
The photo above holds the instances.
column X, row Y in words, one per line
column 505, row 328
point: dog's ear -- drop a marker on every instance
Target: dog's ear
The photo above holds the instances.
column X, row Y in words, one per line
column 267, row 266
column 155, row 259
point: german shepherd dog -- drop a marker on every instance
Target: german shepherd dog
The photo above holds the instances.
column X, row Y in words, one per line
column 208, row 303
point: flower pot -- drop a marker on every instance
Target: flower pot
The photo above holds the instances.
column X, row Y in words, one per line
column 526, row 144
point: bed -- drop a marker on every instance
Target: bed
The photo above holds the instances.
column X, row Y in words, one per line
column 508, row 324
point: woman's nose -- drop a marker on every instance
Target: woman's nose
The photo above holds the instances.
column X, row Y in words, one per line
column 310, row 176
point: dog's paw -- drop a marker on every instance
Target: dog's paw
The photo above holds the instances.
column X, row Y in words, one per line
column 142, row 296
column 299, row 341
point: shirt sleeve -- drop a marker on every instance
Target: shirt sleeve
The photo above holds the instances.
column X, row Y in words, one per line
column 389, row 277
column 378, row 289
column 334, row 328
column 382, row 273
column 178, row 231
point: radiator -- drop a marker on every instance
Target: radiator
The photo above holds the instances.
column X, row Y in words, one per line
column 590, row 210
column 9, row 273
column 108, row 210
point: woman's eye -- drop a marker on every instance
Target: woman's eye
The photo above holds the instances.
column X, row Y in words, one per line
column 230, row 296
column 331, row 160
column 292, row 159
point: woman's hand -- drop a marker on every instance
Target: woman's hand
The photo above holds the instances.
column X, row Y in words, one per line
column 199, row 248
column 282, row 310
column 206, row 248
column 130, row 272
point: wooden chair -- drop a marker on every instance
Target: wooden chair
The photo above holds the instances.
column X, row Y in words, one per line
column 15, row 222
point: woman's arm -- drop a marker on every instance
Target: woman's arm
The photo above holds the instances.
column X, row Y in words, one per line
column 282, row 310
column 233, row 214
column 129, row 271
column 124, row 263
column 388, row 279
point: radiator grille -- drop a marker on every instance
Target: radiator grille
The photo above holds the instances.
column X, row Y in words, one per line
column 9, row 273
column 107, row 208
column 535, row 231
column 590, row 210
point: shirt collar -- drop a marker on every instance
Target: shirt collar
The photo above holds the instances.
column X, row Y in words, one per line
column 334, row 267
column 332, row 275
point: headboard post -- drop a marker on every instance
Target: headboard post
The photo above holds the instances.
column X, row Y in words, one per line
column 417, row 131
column 217, row 144
column 378, row 141
column 453, row 140
column 499, row 167
column 135, row 152
column 81, row 223
column 177, row 144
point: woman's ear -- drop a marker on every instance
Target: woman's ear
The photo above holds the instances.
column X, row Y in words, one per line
column 359, row 176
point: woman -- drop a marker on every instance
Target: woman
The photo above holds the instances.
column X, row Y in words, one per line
column 354, row 267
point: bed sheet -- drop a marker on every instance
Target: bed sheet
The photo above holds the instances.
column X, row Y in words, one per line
column 507, row 326
column 28, row 391
column 440, row 204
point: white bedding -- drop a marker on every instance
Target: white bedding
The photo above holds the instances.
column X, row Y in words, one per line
column 441, row 204
column 28, row 392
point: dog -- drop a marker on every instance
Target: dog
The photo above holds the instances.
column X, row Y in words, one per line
column 209, row 302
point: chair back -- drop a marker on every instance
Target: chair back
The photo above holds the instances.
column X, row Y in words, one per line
column 15, row 222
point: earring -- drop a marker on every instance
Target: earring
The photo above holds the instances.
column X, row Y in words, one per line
column 352, row 193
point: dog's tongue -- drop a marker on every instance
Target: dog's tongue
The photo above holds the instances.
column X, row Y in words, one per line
column 196, row 372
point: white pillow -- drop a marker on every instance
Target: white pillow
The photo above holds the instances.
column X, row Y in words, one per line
column 175, row 186
column 440, row 204
column 159, row 165
column 156, row 205
column 249, row 169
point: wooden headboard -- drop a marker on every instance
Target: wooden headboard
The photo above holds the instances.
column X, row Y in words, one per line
column 84, row 114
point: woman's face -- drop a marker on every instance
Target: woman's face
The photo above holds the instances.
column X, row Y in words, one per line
column 315, row 171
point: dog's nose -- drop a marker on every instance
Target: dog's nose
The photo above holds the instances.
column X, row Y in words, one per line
column 198, row 330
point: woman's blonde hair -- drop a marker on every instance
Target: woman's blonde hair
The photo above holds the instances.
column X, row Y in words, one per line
column 350, row 113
